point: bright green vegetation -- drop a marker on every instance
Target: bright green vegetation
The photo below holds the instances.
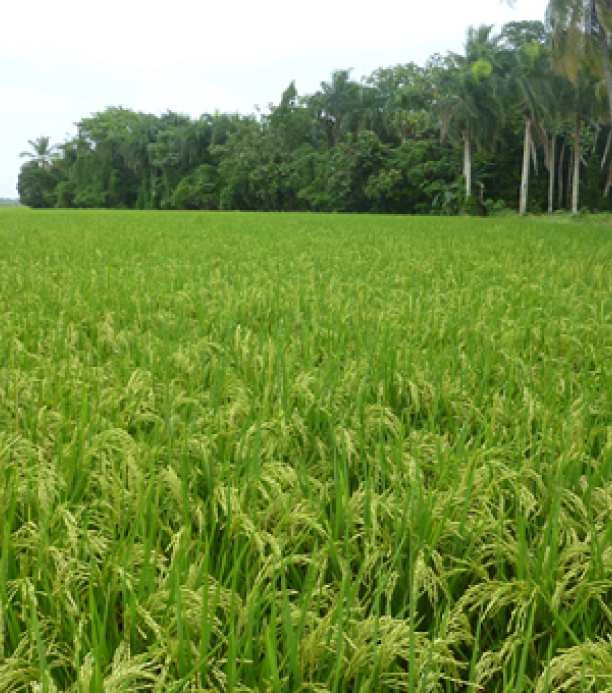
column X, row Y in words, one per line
column 462, row 133
column 304, row 453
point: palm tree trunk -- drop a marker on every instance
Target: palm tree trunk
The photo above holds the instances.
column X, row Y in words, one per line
column 570, row 178
column 603, row 39
column 467, row 163
column 551, row 173
column 525, row 173
column 604, row 157
column 576, row 178
column 608, row 182
column 560, row 172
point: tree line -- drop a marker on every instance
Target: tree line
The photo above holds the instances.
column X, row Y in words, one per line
column 521, row 119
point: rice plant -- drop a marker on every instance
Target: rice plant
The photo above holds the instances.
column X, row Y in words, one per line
column 246, row 452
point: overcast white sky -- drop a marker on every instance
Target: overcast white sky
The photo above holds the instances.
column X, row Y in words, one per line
column 62, row 60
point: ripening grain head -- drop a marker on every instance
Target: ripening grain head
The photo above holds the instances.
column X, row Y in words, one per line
column 319, row 453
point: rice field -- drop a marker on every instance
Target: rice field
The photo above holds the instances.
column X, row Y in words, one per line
column 249, row 452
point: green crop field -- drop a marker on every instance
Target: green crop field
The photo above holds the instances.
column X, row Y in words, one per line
column 250, row 452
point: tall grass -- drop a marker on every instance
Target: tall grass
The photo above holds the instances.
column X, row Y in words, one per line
column 304, row 453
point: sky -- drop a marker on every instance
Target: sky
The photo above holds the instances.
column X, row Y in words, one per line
column 61, row 61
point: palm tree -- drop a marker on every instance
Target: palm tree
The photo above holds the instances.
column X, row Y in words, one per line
column 580, row 53
column 42, row 151
column 471, row 108
column 405, row 112
column 581, row 29
column 601, row 21
column 554, row 125
column 587, row 107
column 528, row 79
column 578, row 26
column 370, row 109
column 337, row 105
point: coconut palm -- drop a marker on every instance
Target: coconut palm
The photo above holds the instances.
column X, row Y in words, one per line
column 369, row 112
column 601, row 22
column 405, row 111
column 581, row 30
column 471, row 108
column 42, row 151
column 578, row 27
column 555, row 123
column 580, row 53
column 528, row 80
column 337, row 104
column 587, row 107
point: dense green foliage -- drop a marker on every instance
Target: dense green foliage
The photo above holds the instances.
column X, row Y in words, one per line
column 253, row 452
column 393, row 142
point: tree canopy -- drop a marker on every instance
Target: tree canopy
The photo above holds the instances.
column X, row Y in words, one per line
column 519, row 119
